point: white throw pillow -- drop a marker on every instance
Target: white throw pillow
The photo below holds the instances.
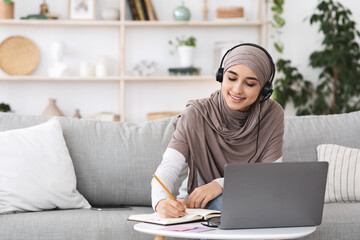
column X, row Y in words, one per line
column 36, row 171
column 343, row 181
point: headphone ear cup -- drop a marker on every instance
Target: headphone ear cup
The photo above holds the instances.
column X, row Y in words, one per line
column 266, row 92
column 219, row 74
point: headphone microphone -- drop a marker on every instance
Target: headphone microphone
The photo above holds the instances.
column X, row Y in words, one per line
column 267, row 90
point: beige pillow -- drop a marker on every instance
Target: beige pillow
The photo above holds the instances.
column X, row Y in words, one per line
column 343, row 181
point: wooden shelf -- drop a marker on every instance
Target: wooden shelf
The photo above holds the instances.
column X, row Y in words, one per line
column 60, row 79
column 168, row 78
column 100, row 23
column 60, row 23
column 105, row 79
column 191, row 23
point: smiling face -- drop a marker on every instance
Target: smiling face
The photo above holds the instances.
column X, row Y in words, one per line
column 240, row 87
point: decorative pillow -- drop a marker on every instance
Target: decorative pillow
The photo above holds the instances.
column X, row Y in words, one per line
column 343, row 181
column 36, row 171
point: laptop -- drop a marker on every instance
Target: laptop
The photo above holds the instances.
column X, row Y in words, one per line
column 268, row 195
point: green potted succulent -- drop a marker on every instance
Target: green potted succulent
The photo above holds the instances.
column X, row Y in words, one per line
column 185, row 46
column 5, row 107
column 6, row 9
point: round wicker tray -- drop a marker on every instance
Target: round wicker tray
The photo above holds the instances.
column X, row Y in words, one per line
column 18, row 56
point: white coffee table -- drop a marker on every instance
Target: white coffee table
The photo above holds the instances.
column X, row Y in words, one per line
column 262, row 233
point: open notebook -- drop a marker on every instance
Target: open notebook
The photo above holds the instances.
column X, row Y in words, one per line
column 193, row 214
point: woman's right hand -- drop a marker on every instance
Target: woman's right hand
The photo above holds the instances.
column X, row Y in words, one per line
column 169, row 208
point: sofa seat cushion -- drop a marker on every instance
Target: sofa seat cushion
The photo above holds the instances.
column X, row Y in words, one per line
column 340, row 221
column 72, row 224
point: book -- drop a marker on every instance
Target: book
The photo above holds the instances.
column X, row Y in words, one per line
column 143, row 6
column 193, row 215
column 139, row 9
column 150, row 10
column 134, row 13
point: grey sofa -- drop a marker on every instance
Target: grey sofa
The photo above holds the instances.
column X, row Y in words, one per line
column 114, row 163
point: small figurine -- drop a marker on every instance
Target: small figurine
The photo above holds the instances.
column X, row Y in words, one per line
column 57, row 52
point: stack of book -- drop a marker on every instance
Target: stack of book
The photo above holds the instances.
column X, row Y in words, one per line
column 184, row 71
column 142, row 10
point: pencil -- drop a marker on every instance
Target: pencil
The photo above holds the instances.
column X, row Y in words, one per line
column 164, row 187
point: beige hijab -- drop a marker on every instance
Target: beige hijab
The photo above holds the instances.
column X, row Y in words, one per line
column 210, row 134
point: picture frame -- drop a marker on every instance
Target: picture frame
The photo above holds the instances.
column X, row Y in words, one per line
column 81, row 9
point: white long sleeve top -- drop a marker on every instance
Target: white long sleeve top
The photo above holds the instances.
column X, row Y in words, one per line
column 169, row 171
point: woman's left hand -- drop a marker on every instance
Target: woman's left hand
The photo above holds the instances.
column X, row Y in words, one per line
column 204, row 194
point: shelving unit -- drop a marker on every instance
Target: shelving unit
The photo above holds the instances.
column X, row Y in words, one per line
column 121, row 26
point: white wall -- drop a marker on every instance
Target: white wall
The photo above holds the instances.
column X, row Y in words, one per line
column 87, row 43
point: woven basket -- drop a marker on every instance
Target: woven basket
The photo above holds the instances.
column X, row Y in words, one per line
column 159, row 115
column 230, row 12
column 18, row 56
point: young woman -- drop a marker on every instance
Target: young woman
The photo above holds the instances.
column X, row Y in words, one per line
column 237, row 124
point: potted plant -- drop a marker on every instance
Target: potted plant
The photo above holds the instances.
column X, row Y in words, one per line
column 5, row 107
column 337, row 88
column 185, row 47
column 6, row 9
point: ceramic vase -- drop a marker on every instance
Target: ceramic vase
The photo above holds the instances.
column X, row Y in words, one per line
column 181, row 13
column 186, row 56
column 52, row 109
column 86, row 69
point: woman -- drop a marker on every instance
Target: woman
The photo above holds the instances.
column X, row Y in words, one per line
column 224, row 128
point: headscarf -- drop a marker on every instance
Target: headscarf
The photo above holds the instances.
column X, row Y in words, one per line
column 254, row 58
column 210, row 134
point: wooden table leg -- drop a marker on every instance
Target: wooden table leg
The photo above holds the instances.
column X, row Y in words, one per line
column 158, row 237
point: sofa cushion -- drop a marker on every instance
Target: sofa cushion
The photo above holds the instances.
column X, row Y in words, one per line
column 340, row 221
column 113, row 161
column 343, row 179
column 36, row 170
column 304, row 133
column 71, row 224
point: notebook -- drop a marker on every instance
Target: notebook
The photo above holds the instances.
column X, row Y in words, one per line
column 266, row 195
column 192, row 216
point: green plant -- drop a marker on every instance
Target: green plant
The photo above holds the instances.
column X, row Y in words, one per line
column 8, row 1
column 277, row 23
column 289, row 84
column 182, row 41
column 339, row 86
column 4, row 107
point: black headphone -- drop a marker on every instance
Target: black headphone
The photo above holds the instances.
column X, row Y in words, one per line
column 267, row 89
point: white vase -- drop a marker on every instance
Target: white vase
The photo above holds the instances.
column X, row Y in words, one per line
column 86, row 69
column 186, row 56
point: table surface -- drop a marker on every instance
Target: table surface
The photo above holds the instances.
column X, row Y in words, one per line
column 259, row 233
